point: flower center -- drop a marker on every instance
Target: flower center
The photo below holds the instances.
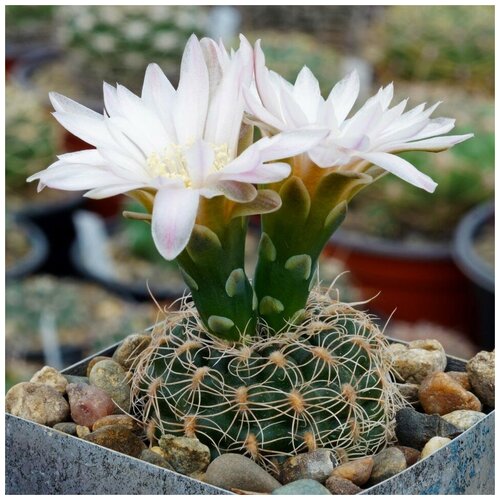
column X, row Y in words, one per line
column 172, row 162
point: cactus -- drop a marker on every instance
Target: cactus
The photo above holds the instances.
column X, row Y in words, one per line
column 325, row 384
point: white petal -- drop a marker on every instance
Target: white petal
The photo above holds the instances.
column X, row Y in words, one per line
column 266, row 87
column 402, row 168
column 191, row 101
column 111, row 100
column 344, row 95
column 260, row 113
column 174, row 216
column 307, row 93
column 292, row 111
column 288, row 144
column 200, row 158
column 107, row 192
column 64, row 104
column 158, row 95
column 433, row 144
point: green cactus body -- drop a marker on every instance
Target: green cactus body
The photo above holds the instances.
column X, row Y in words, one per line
column 326, row 384
column 293, row 238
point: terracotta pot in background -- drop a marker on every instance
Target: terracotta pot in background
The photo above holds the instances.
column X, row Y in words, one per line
column 416, row 283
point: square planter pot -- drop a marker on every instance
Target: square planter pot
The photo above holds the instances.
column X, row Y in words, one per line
column 40, row 460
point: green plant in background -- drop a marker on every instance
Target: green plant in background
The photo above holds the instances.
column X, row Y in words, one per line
column 451, row 43
column 30, row 138
column 117, row 42
column 29, row 23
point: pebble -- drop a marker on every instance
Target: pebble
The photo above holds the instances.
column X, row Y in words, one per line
column 357, row 471
column 434, row 444
column 39, row 403
column 414, row 429
column 481, row 370
column 123, row 420
column 439, row 393
column 109, row 376
column 409, row 392
column 155, row 459
column 415, row 361
column 412, row 455
column 118, row 438
column 186, row 455
column 232, row 470
column 463, row 419
column 127, row 352
column 462, row 378
column 51, row 377
column 66, row 427
column 386, row 464
column 317, row 465
column 199, row 476
column 82, row 431
column 93, row 361
column 76, row 379
column 337, row 485
column 302, row 487
column 88, row 404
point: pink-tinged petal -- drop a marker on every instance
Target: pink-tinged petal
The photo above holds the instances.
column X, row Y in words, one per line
column 344, row 95
column 434, row 144
column 436, row 126
column 267, row 93
column 288, row 144
column 324, row 154
column 364, row 120
column 191, row 101
column 111, row 100
column 174, row 216
column 401, row 168
column 240, row 192
column 199, row 159
column 158, row 94
column 265, row 202
column 213, row 59
column 307, row 93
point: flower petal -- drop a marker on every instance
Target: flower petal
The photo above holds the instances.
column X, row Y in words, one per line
column 265, row 202
column 240, row 192
column 191, row 101
column 344, row 95
column 174, row 216
column 307, row 94
column 402, row 168
column 199, row 159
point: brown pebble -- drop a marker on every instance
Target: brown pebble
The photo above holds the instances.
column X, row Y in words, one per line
column 340, row 486
column 51, row 377
column 128, row 351
column 412, row 455
column 118, row 438
column 462, row 378
column 82, row 431
column 123, row 420
column 439, row 393
column 88, row 403
column 357, row 471
column 93, row 361
column 481, row 370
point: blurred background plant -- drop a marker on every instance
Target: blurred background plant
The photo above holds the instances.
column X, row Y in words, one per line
column 453, row 44
column 432, row 53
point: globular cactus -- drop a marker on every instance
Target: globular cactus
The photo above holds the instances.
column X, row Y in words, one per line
column 326, row 383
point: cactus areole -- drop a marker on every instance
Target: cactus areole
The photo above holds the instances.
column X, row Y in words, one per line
column 267, row 365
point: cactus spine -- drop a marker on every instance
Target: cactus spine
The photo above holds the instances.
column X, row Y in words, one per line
column 325, row 384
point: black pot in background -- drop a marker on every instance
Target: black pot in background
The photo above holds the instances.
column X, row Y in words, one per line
column 91, row 236
column 37, row 256
column 55, row 219
column 477, row 270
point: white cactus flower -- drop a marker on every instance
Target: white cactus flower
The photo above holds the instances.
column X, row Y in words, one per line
column 371, row 136
column 177, row 144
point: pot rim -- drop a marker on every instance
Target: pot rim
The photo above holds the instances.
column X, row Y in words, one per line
column 464, row 254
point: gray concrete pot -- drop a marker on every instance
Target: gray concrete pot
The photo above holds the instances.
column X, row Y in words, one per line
column 40, row 460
